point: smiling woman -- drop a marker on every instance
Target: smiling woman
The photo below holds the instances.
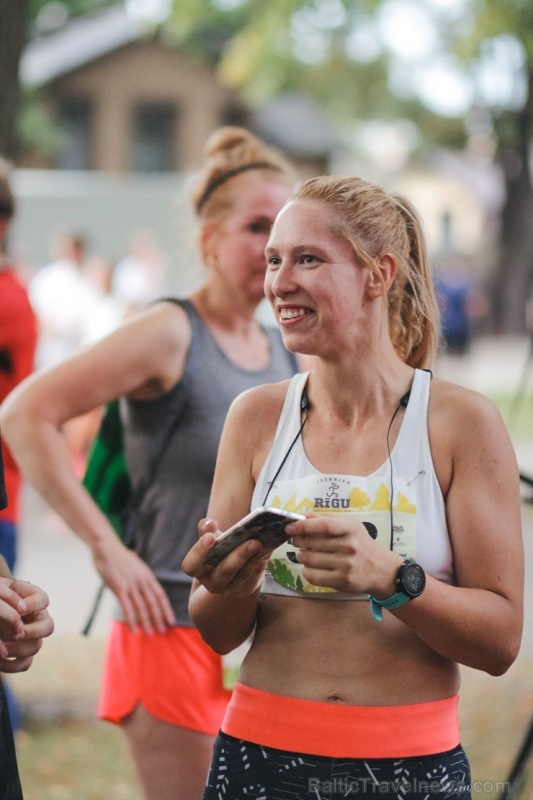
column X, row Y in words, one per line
column 399, row 571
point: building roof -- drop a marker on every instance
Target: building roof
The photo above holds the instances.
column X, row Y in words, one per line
column 294, row 122
column 80, row 41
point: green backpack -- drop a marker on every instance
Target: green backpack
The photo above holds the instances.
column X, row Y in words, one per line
column 106, row 477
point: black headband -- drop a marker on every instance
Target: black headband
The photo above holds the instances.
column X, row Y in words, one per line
column 210, row 188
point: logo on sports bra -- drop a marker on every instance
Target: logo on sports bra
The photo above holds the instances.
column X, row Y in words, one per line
column 367, row 499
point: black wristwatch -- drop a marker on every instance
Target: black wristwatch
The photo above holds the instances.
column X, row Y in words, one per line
column 410, row 583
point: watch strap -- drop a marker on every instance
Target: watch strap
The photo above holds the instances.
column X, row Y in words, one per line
column 395, row 601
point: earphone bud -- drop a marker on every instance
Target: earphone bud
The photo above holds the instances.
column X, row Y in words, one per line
column 405, row 399
column 305, row 405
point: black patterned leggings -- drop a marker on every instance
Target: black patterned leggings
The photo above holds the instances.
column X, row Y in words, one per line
column 244, row 771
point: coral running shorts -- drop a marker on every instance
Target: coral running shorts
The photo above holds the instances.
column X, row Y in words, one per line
column 174, row 675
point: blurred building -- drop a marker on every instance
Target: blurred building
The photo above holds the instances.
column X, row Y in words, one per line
column 128, row 114
column 123, row 98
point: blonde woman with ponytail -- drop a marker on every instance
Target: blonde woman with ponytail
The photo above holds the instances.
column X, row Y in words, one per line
column 408, row 561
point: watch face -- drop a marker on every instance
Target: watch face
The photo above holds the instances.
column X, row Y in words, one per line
column 413, row 579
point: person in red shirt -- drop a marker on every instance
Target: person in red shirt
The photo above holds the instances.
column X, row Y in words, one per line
column 18, row 341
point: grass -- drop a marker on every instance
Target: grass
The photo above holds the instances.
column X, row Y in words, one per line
column 75, row 760
column 494, row 716
column 64, row 751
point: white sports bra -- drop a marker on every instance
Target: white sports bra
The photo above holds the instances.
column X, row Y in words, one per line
column 407, row 512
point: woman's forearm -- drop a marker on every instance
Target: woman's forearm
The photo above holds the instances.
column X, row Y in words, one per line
column 473, row 627
column 224, row 622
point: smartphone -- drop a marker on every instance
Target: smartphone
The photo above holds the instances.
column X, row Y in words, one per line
column 265, row 524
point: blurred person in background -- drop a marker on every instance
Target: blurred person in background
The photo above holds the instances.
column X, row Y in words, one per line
column 63, row 296
column 462, row 303
column 161, row 682
column 139, row 277
column 108, row 311
column 18, row 339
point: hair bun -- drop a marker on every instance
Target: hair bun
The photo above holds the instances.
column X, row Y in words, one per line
column 230, row 150
column 227, row 138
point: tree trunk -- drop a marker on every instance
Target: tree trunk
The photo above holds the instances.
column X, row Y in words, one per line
column 14, row 15
column 513, row 280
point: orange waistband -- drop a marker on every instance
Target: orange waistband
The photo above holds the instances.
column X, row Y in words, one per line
column 340, row 731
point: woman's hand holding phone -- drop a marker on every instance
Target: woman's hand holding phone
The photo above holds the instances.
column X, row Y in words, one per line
column 236, row 559
column 266, row 525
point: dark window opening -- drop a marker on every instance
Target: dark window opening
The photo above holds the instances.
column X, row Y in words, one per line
column 153, row 138
column 75, row 118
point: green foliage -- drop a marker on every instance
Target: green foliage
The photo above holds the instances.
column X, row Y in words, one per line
column 73, row 7
column 495, row 17
column 202, row 29
column 487, row 21
column 36, row 128
column 264, row 49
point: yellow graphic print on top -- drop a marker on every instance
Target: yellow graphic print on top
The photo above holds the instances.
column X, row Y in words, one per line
column 367, row 499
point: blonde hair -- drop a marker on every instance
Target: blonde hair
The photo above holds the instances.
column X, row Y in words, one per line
column 232, row 151
column 376, row 222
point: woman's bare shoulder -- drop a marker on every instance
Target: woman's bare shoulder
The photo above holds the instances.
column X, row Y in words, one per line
column 154, row 341
column 250, row 429
column 254, row 413
column 461, row 405
column 466, row 432
column 464, row 421
column 261, row 402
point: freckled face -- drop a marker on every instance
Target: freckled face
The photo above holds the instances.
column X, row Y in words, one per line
column 313, row 282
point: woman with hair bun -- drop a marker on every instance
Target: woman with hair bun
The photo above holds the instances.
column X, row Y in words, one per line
column 350, row 686
column 161, row 683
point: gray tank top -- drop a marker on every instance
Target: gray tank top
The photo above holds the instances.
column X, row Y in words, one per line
column 179, row 490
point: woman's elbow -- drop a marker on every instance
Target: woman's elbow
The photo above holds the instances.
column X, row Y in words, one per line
column 219, row 638
column 221, row 645
column 201, row 622
column 505, row 657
